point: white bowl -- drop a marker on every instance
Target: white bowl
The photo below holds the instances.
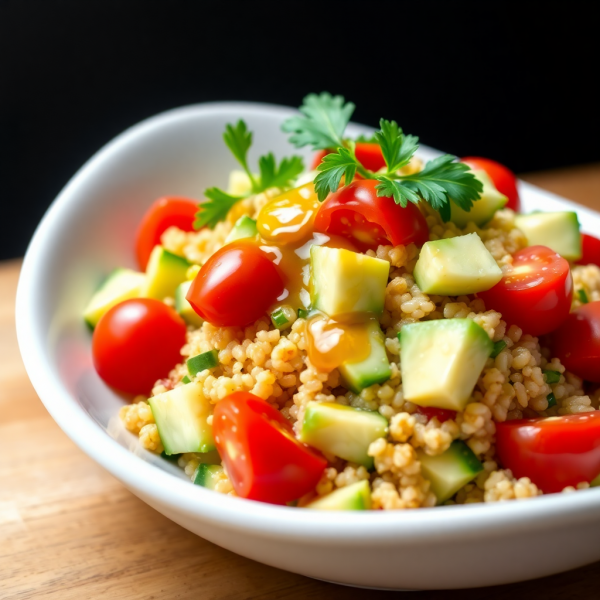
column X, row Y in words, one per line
column 89, row 230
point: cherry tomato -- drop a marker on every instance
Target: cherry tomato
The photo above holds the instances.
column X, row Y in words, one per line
column 357, row 213
column 137, row 342
column 536, row 294
column 577, row 342
column 236, row 285
column 590, row 247
column 164, row 213
column 263, row 458
column 553, row 452
column 502, row 177
column 441, row 414
column 368, row 155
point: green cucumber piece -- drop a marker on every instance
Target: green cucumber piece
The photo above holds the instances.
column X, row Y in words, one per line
column 456, row 266
column 450, row 471
column 557, row 230
column 342, row 430
column 244, row 227
column 356, row 496
column 345, row 282
column 120, row 285
column 181, row 417
column 373, row 369
column 483, row 209
column 165, row 271
column 184, row 308
column 207, row 475
column 441, row 361
column 200, row 362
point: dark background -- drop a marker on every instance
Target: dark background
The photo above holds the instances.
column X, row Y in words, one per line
column 508, row 81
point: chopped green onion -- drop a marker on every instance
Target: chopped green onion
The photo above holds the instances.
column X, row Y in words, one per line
column 283, row 317
column 583, row 297
column 185, row 379
column 498, row 347
column 201, row 362
column 302, row 313
column 551, row 376
column 551, row 400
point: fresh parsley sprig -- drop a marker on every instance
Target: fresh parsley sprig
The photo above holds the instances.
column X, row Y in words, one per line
column 323, row 125
column 239, row 140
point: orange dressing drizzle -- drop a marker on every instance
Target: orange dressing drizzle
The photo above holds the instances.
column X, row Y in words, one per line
column 330, row 343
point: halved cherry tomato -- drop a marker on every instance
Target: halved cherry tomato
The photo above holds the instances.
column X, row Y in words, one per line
column 536, row 294
column 368, row 155
column 164, row 213
column 554, row 452
column 502, row 177
column 263, row 458
column 590, row 247
column 577, row 342
column 441, row 414
column 137, row 342
column 357, row 213
column 236, row 285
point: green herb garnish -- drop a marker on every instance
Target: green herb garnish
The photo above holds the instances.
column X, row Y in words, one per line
column 551, row 400
column 498, row 347
column 551, row 376
column 583, row 297
column 270, row 174
column 322, row 126
column 302, row 314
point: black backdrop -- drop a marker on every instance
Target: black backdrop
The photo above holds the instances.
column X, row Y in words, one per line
column 509, row 81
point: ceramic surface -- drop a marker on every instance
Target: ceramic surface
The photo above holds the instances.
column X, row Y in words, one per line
column 89, row 230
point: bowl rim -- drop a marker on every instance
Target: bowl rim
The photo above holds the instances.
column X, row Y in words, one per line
column 144, row 479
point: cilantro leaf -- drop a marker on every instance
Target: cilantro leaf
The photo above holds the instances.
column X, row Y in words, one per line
column 210, row 213
column 333, row 166
column 397, row 148
column 239, row 140
column 396, row 189
column 366, row 139
column 273, row 176
column 442, row 179
column 323, row 124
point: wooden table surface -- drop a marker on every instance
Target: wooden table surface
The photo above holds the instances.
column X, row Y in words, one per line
column 69, row 530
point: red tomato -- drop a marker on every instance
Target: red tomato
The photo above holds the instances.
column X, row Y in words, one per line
column 554, row 452
column 577, row 342
column 357, row 213
column 368, row 155
column 263, row 458
column 137, row 342
column 536, row 295
column 590, row 247
column 164, row 213
column 441, row 414
column 503, row 178
column 236, row 285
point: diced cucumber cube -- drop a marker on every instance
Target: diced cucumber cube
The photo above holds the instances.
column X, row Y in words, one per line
column 456, row 266
column 120, row 285
column 244, row 227
column 483, row 209
column 441, row 361
column 208, row 475
column 373, row 369
column 450, row 471
column 356, row 496
column 559, row 231
column 342, row 430
column 181, row 417
column 200, row 362
column 184, row 308
column 165, row 271
column 345, row 282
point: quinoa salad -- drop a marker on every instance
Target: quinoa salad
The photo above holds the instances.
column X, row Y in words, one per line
column 374, row 332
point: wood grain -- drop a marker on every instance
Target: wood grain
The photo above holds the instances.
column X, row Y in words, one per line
column 69, row 530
